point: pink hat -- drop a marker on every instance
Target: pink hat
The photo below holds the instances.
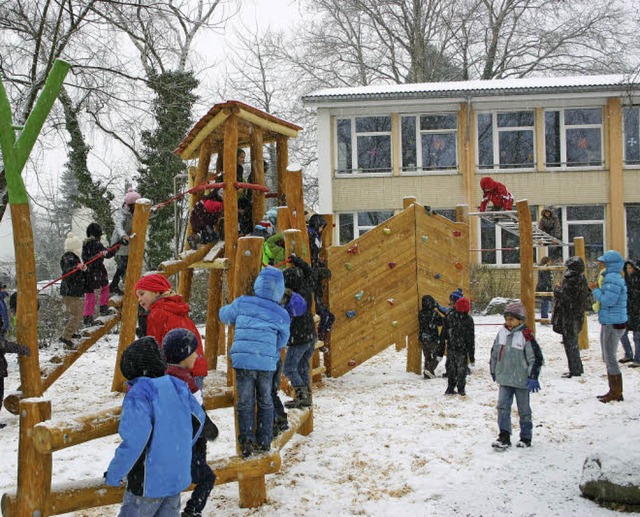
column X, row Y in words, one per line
column 131, row 197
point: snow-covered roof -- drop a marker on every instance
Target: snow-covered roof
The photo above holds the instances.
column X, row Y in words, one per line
column 494, row 87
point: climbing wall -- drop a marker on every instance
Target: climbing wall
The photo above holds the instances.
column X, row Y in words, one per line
column 379, row 279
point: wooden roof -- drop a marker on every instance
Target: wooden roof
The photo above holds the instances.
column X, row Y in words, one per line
column 212, row 125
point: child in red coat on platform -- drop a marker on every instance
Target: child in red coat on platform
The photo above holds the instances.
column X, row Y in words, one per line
column 495, row 192
column 167, row 311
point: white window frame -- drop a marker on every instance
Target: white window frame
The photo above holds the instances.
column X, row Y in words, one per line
column 354, row 146
column 418, row 139
column 624, row 136
column 358, row 229
column 480, row 169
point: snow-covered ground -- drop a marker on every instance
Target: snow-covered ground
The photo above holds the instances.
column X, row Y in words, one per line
column 389, row 443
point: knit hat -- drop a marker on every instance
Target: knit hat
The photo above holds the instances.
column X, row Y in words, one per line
column 94, row 230
column 154, row 283
column 142, row 358
column 131, row 197
column 456, row 295
column 73, row 244
column 178, row 344
column 516, row 309
column 463, row 305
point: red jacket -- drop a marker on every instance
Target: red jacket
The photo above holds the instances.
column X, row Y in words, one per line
column 495, row 192
column 171, row 312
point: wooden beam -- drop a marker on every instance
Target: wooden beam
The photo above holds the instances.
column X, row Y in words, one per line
column 257, row 166
column 295, row 202
column 230, row 196
column 216, row 121
column 266, row 124
column 527, row 287
column 282, row 161
column 212, row 326
column 188, row 258
column 616, row 176
column 580, row 251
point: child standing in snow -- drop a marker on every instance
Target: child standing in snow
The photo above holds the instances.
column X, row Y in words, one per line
column 158, row 430
column 430, row 321
column 180, row 347
column 167, row 310
column 95, row 275
column 459, row 334
column 516, row 359
column 72, row 288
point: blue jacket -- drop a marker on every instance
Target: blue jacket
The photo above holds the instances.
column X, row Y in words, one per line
column 262, row 325
column 613, row 293
column 157, row 436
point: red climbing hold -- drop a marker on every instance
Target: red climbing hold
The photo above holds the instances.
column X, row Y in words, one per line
column 353, row 249
column 392, row 265
column 352, row 362
column 391, row 301
column 459, row 266
column 457, row 233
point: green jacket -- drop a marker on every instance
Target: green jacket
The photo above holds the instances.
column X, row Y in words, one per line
column 272, row 252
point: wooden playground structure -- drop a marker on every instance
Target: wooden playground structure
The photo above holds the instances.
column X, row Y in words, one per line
column 375, row 294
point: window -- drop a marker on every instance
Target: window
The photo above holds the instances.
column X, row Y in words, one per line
column 631, row 136
column 364, row 145
column 588, row 222
column 429, row 142
column 633, row 231
column 354, row 224
column 573, row 137
column 505, row 140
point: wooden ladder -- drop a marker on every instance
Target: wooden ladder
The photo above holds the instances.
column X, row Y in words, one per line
column 508, row 220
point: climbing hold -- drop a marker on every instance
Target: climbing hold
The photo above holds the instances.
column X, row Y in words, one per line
column 392, row 265
column 348, row 266
column 459, row 266
column 425, row 238
column 247, row 253
column 457, row 233
column 387, row 231
column 395, row 323
column 352, row 362
column 359, row 295
column 351, row 314
column 391, row 301
column 353, row 249
column 437, row 276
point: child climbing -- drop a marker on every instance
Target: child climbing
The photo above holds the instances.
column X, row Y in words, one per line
column 544, row 285
column 550, row 224
column 315, row 227
column 516, row 360
column 273, row 251
column 571, row 299
column 203, row 219
column 160, row 423
column 430, row 321
column 262, row 330
column 180, row 347
column 496, row 193
column 121, row 234
column 632, row 279
column 167, row 311
column 459, row 334
column 322, row 274
column 8, row 347
column 95, row 275
column 72, row 288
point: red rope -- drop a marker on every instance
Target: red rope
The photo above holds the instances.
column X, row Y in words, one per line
column 285, row 261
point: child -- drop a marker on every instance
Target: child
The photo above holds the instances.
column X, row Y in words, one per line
column 95, row 275
column 430, row 322
column 495, row 192
column 262, row 330
column 516, row 359
column 180, row 350
column 315, row 227
column 157, row 434
column 8, row 347
column 571, row 300
column 203, row 219
column 168, row 311
column 273, row 251
column 72, row 288
column 302, row 342
column 327, row 318
column 121, row 232
column 459, row 333
column 446, row 311
column 544, row 285
column 550, row 224
column 632, row 279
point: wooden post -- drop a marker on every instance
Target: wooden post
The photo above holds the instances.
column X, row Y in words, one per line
column 527, row 287
column 407, row 201
column 248, row 262
column 616, row 224
column 129, row 314
column 230, row 196
column 212, row 327
column 257, row 166
column 295, row 202
column 580, row 251
column 34, row 468
column 282, row 153
column 327, row 241
column 284, row 219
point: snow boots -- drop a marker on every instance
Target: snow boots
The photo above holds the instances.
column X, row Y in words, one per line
column 615, row 390
column 503, row 442
column 302, row 399
column 280, row 424
column 88, row 321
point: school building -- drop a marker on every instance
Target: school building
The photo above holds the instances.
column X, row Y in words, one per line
column 569, row 142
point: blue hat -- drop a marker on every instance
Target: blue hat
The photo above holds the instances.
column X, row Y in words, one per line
column 178, row 344
column 456, row 295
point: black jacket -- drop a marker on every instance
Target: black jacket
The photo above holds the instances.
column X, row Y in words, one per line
column 459, row 334
column 633, row 295
column 95, row 275
column 430, row 321
column 300, row 278
column 72, row 285
column 571, row 299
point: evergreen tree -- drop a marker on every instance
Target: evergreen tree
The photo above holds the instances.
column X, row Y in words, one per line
column 172, row 111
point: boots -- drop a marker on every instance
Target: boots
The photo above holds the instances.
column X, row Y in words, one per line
column 305, row 397
column 105, row 310
column 88, row 321
column 297, row 400
column 615, row 389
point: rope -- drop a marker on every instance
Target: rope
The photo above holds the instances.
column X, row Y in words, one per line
column 82, row 266
column 285, row 261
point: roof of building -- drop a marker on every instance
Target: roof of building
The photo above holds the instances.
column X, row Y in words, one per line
column 485, row 88
column 213, row 122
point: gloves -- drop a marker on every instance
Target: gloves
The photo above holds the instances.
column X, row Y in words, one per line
column 124, row 241
column 533, row 385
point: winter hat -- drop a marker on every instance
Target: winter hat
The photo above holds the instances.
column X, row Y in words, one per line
column 94, row 230
column 142, row 358
column 131, row 197
column 154, row 283
column 269, row 284
column 73, row 244
column 178, row 344
column 486, row 183
column 463, row 305
column 456, row 295
column 266, row 227
column 515, row 309
column 574, row 265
